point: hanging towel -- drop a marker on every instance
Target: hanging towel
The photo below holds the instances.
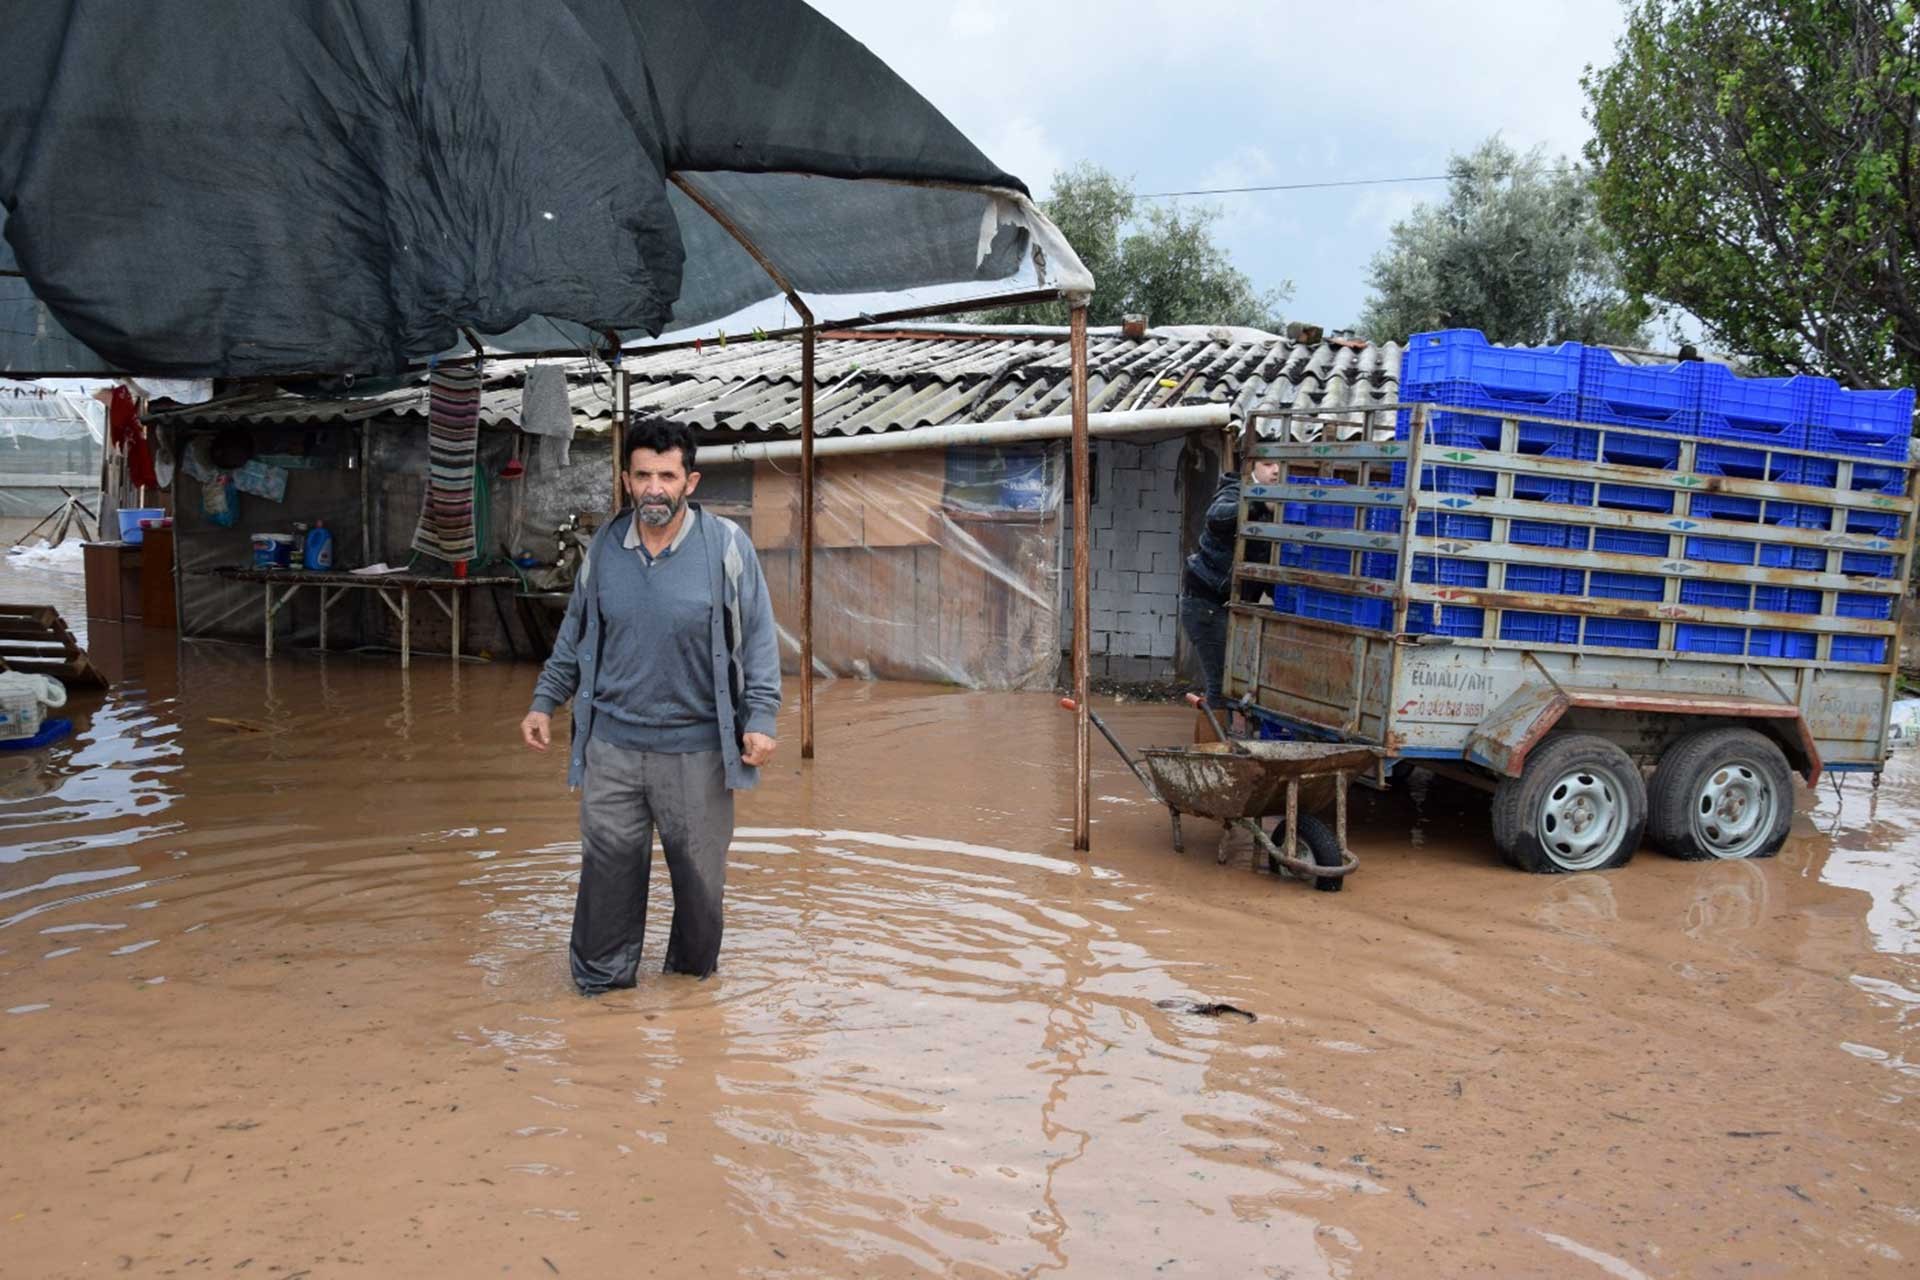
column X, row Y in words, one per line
column 453, row 439
column 545, row 411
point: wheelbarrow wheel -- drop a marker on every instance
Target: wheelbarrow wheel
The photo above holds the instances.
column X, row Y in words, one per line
column 1318, row 837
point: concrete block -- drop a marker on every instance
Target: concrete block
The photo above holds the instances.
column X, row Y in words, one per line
column 1162, row 584
column 1166, row 543
column 1129, row 580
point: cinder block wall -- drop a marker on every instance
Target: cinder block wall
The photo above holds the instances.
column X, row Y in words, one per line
column 1138, row 513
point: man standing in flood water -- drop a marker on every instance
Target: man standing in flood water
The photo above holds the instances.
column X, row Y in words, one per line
column 670, row 655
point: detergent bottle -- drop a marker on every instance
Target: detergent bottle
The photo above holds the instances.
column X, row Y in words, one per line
column 319, row 546
column 22, row 699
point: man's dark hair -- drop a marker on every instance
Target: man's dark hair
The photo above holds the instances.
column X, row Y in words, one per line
column 660, row 435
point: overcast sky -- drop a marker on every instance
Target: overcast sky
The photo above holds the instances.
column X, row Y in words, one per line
column 1182, row 94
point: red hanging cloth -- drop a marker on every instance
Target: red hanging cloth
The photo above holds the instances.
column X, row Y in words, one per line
column 129, row 435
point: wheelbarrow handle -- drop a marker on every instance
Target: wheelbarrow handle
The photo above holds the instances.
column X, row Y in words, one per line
column 1200, row 704
column 1068, row 704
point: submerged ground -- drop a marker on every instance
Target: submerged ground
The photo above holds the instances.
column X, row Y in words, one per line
column 282, row 965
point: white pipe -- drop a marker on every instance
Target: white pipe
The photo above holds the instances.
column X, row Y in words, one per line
column 1186, row 418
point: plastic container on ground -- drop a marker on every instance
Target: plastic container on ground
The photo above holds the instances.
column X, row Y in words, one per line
column 1863, row 424
column 23, row 702
column 1666, row 396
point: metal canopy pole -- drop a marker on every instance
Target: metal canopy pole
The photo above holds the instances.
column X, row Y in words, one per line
column 805, row 313
column 806, row 539
column 1082, row 577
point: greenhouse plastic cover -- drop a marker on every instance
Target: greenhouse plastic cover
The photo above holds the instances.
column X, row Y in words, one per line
column 225, row 188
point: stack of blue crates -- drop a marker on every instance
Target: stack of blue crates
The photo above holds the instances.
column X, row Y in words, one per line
column 1745, row 418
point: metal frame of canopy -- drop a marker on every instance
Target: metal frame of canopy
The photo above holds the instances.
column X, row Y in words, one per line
column 1082, row 574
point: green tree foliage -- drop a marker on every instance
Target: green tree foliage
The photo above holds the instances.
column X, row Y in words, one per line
column 1161, row 262
column 1516, row 250
column 1757, row 160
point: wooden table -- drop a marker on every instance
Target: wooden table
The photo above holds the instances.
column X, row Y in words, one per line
column 394, row 590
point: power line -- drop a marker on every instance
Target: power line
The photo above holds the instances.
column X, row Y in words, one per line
column 1317, row 186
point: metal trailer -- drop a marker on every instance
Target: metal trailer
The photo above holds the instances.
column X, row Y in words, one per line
column 1564, row 734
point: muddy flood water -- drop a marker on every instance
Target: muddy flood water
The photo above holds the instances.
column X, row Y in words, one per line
column 282, row 965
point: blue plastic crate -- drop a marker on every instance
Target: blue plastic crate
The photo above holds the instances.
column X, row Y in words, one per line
column 1855, row 604
column 1756, row 464
column 1537, row 488
column 1716, row 595
column 1891, row 480
column 1335, row 606
column 1444, row 524
column 1868, row 564
column 1722, row 506
column 1544, row 533
column 1770, row 411
column 1692, row 637
column 1633, row 497
column 1454, row 620
column 1774, row 555
column 1765, row 642
column 1631, row 542
column 1449, row 571
column 1539, row 440
column 1786, row 600
column 1449, row 427
column 1662, row 395
column 1863, row 424
column 1286, row 598
column 1540, row 628
column 1621, row 633
column 1270, row 730
column 1721, row 550
column 1626, row 450
column 1383, row 565
column 1544, row 581
column 1799, row 515
column 1625, row 586
column 1316, row 559
column 1860, row 649
column 1873, row 524
column 1544, row 380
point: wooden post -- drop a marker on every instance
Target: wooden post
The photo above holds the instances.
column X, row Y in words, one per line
column 806, row 542
column 1082, row 579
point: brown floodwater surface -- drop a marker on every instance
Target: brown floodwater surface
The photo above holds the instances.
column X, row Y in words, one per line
column 283, row 991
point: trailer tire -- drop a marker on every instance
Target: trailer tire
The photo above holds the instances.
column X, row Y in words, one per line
column 1721, row 794
column 1578, row 805
column 1321, row 845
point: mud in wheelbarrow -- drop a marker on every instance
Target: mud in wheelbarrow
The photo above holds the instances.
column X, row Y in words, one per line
column 1237, row 783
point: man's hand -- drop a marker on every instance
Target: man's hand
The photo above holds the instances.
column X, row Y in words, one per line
column 756, row 749
column 537, row 730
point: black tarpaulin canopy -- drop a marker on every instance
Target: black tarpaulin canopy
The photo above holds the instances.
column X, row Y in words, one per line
column 225, row 188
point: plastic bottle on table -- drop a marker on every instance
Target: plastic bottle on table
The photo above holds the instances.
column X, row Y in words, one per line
column 320, row 546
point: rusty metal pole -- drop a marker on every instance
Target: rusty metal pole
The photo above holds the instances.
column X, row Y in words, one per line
column 1082, row 579
column 806, row 541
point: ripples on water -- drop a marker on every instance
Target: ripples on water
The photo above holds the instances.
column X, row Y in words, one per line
column 931, row 1047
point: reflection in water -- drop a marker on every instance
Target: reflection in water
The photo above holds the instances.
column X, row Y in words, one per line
column 1874, row 848
column 315, row 918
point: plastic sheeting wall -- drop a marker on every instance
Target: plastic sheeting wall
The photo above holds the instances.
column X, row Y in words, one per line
column 934, row 564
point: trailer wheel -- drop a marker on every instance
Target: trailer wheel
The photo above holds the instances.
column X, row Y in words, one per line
column 1721, row 793
column 1321, row 845
column 1579, row 805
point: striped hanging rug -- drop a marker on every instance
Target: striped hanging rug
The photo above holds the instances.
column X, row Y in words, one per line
column 453, row 438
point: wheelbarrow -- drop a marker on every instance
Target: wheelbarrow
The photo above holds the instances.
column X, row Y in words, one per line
column 1237, row 783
